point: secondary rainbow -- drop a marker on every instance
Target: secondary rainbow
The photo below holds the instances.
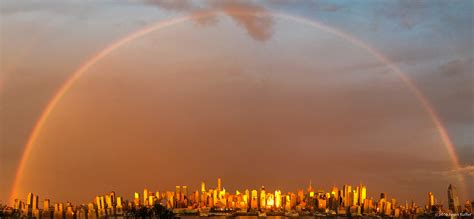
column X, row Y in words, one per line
column 444, row 137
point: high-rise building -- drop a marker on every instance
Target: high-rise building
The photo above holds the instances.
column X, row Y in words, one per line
column 185, row 191
column 362, row 194
column 219, row 184
column 203, row 187
column 137, row 199
column 151, row 200
column 431, row 200
column 34, row 207
column 34, row 204
column 29, row 199
column 178, row 193
column 254, row 199
column 355, row 196
column 388, row 209
column 263, row 198
column 368, row 206
column 246, row 197
column 184, row 195
column 113, row 199
column 145, row 197
column 270, row 201
column 453, row 199
column 47, row 213
column 347, row 195
column 46, row 204
column 335, row 192
column 119, row 206
column 278, row 199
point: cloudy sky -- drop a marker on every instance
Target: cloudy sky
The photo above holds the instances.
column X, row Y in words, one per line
column 255, row 98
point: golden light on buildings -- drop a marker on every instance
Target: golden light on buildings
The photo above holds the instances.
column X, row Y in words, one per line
column 351, row 202
column 254, row 199
column 278, row 199
column 263, row 196
column 270, row 201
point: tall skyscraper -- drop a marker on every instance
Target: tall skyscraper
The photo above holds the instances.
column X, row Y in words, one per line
column 278, row 199
column 145, row 197
column 203, row 187
column 362, row 194
column 137, row 198
column 335, row 192
column 46, row 204
column 219, row 184
column 355, row 196
column 178, row 193
column 35, row 204
column 453, row 199
column 184, row 194
column 347, row 195
column 254, row 199
column 263, row 198
column 431, row 200
column 29, row 204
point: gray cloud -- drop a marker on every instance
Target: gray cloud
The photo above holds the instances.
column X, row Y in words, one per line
column 467, row 171
column 458, row 67
column 258, row 27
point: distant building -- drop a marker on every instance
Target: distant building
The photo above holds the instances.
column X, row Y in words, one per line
column 254, row 200
column 453, row 199
column 347, row 195
column 431, row 200
column 263, row 197
column 362, row 194
column 278, row 199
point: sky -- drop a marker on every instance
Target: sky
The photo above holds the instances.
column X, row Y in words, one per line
column 254, row 98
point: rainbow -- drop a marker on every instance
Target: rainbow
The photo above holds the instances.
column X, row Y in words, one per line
column 410, row 85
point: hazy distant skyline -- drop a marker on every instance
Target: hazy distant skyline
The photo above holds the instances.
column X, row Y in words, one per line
column 256, row 101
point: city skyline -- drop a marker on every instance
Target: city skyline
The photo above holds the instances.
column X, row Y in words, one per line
column 118, row 95
column 447, row 200
column 217, row 201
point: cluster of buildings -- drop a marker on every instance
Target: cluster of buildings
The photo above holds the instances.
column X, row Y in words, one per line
column 347, row 201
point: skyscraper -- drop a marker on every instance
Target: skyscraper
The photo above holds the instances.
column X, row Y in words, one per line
column 203, row 187
column 145, row 197
column 254, row 199
column 355, row 196
column 278, row 199
column 185, row 191
column 263, row 198
column 335, row 192
column 453, row 199
column 362, row 194
column 431, row 200
column 178, row 193
column 137, row 199
column 347, row 195
column 219, row 184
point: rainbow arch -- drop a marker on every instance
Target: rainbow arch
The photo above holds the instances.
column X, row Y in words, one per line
column 411, row 86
